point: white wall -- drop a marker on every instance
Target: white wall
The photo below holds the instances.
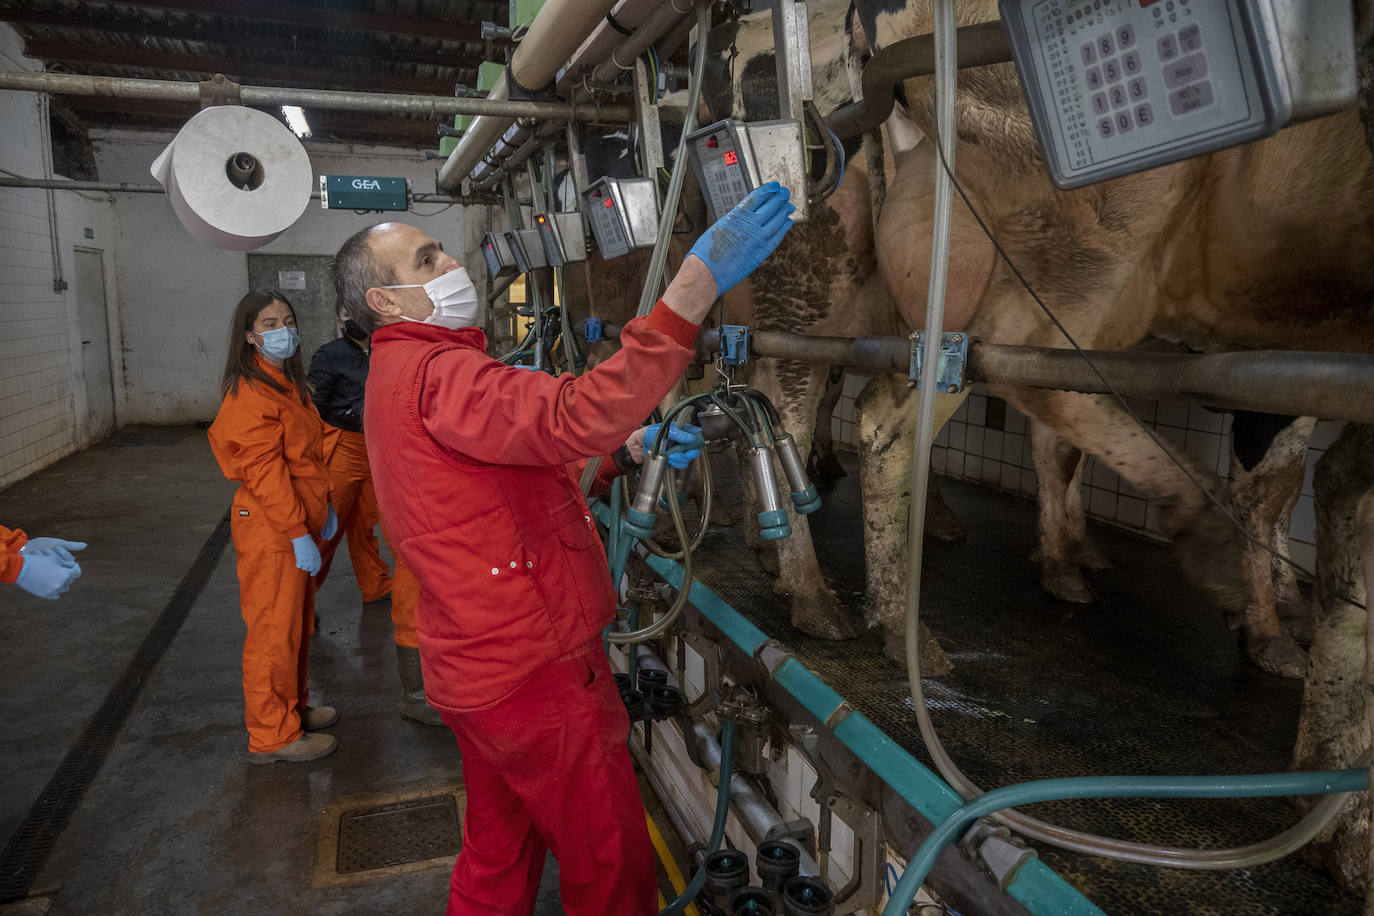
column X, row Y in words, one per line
column 42, row 389
column 176, row 294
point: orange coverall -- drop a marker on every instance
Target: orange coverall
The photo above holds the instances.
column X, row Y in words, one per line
column 355, row 501
column 11, row 562
column 274, row 446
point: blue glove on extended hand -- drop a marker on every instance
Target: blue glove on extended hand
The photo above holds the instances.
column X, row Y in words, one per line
column 307, row 554
column 53, row 547
column 46, row 574
column 678, row 435
column 740, row 240
column 331, row 525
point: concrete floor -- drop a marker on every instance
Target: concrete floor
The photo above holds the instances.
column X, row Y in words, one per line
column 177, row 821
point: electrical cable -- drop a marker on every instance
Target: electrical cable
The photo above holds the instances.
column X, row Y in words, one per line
column 1254, row 854
column 727, row 757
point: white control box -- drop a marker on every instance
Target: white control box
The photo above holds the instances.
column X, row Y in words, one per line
column 1121, row 86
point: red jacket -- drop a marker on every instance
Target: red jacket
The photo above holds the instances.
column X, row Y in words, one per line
column 11, row 563
column 476, row 469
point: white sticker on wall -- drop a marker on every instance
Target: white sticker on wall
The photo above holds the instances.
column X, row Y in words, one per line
column 291, row 279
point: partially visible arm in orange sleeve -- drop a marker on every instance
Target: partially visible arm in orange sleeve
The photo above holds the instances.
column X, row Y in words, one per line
column 247, row 442
column 10, row 560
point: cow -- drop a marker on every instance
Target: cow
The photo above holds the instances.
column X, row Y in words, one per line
column 1265, row 246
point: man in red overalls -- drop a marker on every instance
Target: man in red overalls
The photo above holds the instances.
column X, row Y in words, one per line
column 476, row 467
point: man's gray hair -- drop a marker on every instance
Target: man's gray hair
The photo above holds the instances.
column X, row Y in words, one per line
column 356, row 271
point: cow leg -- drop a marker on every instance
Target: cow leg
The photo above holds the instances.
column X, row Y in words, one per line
column 795, row 389
column 1334, row 727
column 887, row 430
column 822, row 465
column 941, row 522
column 1268, row 459
column 1061, row 523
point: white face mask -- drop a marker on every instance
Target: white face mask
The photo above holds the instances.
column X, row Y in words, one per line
column 454, row 299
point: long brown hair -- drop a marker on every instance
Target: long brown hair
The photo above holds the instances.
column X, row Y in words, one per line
column 240, row 366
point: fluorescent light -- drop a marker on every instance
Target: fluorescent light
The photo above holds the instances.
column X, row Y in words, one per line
column 295, row 119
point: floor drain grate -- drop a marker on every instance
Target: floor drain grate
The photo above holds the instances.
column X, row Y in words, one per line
column 401, row 832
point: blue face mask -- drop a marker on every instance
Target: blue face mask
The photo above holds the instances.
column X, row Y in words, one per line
column 279, row 343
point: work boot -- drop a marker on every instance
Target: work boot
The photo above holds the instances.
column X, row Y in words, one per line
column 413, row 705
column 314, row 718
column 309, row 746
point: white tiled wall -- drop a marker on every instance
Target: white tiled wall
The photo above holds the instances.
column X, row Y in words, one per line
column 988, row 442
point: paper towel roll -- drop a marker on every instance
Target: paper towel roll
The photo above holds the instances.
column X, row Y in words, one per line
column 237, row 178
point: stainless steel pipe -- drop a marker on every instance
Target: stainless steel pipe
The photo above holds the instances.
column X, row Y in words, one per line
column 1333, row 386
column 435, row 107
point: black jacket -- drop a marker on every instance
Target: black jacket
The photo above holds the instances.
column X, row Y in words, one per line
column 338, row 378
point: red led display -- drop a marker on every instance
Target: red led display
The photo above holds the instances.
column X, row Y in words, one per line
column 731, row 158
column 609, row 203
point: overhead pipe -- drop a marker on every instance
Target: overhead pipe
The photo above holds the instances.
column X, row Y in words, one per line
column 622, row 58
column 435, row 107
column 1333, row 386
column 979, row 45
column 124, row 187
column 557, row 31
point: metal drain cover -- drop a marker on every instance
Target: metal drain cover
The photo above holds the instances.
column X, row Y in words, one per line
column 408, row 831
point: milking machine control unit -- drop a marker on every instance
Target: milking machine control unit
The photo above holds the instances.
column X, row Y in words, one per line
column 732, row 158
column 563, row 237
column 623, row 213
column 1121, row 86
column 496, row 252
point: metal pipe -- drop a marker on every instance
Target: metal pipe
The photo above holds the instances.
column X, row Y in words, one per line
column 557, row 30
column 1333, row 386
column 124, row 187
column 435, row 107
column 655, row 27
column 979, row 46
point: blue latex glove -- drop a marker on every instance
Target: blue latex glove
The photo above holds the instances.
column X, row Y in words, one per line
column 677, row 435
column 53, row 547
column 331, row 525
column 46, row 575
column 740, row 240
column 307, row 554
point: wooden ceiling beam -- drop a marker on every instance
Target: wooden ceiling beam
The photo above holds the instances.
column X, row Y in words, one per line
column 75, row 53
column 102, row 22
column 321, row 17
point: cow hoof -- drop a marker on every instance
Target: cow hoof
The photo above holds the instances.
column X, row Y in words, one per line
column 1278, row 655
column 934, row 661
column 1068, row 586
column 1090, row 556
column 821, row 616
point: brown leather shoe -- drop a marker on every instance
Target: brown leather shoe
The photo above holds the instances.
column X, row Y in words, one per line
column 309, row 746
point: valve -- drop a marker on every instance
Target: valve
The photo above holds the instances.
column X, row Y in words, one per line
column 715, row 425
column 649, row 678
column 776, row 862
column 634, row 704
column 752, row 720
column 751, row 901
column 773, row 524
column 664, row 702
column 806, row 896
column 727, row 870
column 804, row 497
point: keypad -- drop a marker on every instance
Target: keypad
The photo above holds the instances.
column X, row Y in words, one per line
column 1118, row 84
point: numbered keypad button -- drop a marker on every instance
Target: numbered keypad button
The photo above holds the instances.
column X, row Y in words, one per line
column 1167, row 47
column 1106, row 46
column 1111, row 70
column 1190, row 39
column 1088, row 54
column 1138, row 89
column 1094, row 77
column 1125, row 37
column 1130, row 63
column 1105, row 128
column 1122, row 121
column 1144, row 115
column 1117, row 94
column 1100, row 106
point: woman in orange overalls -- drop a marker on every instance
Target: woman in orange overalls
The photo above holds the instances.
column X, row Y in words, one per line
column 268, row 437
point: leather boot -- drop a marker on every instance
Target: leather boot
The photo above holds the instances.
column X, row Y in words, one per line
column 413, row 705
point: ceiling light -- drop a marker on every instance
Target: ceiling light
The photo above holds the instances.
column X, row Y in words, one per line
column 295, row 119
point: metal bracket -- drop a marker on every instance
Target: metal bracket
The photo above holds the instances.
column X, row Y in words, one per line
column 866, row 887
column 734, row 344
column 801, row 830
column 219, row 90
column 953, row 359
column 996, row 849
column 591, row 330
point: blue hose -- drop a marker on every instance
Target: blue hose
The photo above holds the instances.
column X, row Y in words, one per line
column 1323, row 782
column 727, row 756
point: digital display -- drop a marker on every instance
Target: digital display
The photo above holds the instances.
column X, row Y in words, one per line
column 609, row 203
column 731, row 158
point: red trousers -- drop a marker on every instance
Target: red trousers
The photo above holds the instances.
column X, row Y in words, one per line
column 547, row 769
column 355, row 502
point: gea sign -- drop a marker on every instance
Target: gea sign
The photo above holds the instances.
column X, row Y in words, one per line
column 364, row 192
